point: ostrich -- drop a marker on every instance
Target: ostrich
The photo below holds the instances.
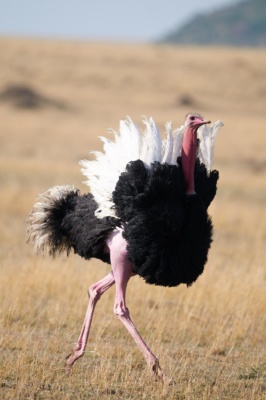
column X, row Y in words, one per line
column 146, row 214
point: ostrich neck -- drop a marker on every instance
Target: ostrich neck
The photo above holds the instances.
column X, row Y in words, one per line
column 189, row 151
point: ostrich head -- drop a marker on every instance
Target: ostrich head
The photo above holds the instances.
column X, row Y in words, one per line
column 194, row 121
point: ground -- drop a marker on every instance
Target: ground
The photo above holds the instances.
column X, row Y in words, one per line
column 210, row 338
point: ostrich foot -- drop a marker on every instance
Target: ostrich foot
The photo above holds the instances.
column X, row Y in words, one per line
column 71, row 358
column 160, row 374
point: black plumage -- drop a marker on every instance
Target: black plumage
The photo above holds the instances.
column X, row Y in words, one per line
column 86, row 233
column 64, row 220
column 168, row 233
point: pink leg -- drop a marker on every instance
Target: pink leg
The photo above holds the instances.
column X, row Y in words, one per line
column 95, row 292
column 122, row 269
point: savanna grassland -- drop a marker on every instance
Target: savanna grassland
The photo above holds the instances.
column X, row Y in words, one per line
column 211, row 337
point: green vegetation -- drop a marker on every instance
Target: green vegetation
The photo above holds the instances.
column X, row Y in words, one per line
column 243, row 24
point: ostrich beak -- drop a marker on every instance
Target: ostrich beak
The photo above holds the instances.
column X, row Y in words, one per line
column 204, row 122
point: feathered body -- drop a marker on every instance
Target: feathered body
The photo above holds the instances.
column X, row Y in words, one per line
column 168, row 233
column 138, row 185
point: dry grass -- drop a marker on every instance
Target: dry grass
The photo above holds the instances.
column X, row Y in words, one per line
column 210, row 337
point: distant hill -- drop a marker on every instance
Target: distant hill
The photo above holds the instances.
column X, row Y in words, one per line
column 242, row 24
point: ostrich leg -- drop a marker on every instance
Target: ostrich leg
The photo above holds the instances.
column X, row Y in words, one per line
column 122, row 269
column 95, row 292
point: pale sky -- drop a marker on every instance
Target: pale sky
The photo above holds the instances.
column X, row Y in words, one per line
column 114, row 20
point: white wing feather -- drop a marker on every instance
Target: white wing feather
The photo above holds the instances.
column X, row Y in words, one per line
column 131, row 144
column 167, row 145
column 151, row 150
column 178, row 141
column 207, row 135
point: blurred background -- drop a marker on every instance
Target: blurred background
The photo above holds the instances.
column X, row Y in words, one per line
column 101, row 20
column 68, row 72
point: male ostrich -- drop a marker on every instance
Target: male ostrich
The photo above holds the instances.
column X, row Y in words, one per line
column 146, row 214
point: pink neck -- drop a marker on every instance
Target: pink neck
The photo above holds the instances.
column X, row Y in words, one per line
column 189, row 151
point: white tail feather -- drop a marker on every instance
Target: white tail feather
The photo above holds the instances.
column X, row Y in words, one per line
column 41, row 222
